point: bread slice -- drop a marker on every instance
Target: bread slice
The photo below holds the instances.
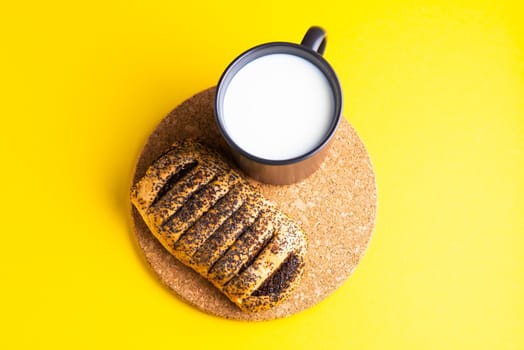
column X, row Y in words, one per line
column 207, row 216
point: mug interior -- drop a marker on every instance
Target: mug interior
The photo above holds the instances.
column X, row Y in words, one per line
column 271, row 49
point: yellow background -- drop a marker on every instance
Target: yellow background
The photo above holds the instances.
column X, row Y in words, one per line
column 435, row 89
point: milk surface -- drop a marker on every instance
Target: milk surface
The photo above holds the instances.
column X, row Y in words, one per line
column 278, row 107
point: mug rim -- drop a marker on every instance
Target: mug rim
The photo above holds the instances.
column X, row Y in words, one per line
column 306, row 53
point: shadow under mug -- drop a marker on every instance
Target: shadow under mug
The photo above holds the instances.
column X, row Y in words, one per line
column 283, row 171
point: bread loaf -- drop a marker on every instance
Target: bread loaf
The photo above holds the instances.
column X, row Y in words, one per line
column 209, row 218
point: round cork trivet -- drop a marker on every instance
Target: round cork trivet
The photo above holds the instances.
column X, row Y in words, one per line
column 336, row 207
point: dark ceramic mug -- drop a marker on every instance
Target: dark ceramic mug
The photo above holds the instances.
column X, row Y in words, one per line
column 278, row 106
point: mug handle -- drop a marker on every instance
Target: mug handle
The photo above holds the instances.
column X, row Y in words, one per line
column 315, row 39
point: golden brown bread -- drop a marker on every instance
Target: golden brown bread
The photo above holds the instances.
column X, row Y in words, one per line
column 206, row 215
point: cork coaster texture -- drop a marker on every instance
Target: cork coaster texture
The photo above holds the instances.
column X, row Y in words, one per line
column 336, row 207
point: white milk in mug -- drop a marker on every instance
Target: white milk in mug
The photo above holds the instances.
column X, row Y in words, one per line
column 278, row 107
